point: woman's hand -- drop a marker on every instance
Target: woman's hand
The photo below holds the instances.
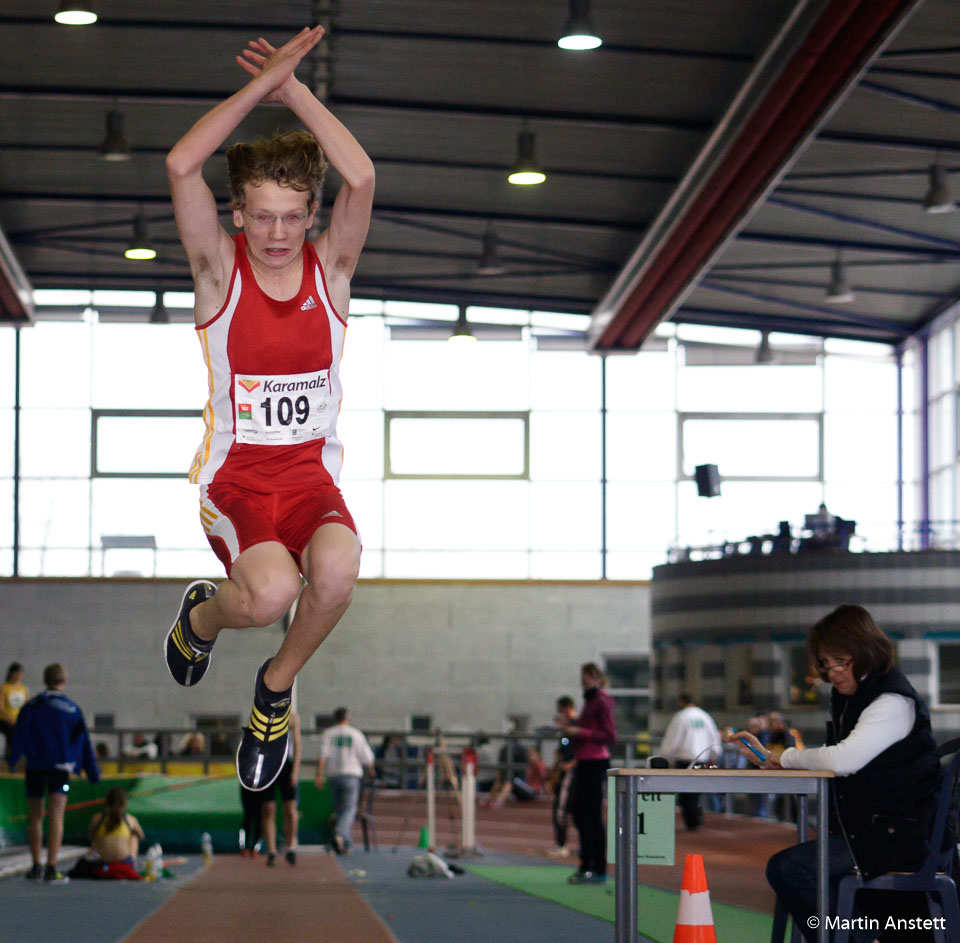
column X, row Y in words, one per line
column 275, row 67
column 746, row 741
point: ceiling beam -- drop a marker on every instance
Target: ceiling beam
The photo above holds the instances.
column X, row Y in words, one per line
column 767, row 321
column 156, row 96
column 822, row 61
column 339, row 31
column 378, row 160
column 380, row 210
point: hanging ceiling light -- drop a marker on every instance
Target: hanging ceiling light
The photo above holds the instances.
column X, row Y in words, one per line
column 526, row 170
column 490, row 262
column 75, row 13
column 839, row 291
column 461, row 330
column 764, row 350
column 115, row 146
column 938, row 198
column 159, row 315
column 140, row 248
column 579, row 33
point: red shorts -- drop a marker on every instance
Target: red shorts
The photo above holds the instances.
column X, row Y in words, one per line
column 235, row 518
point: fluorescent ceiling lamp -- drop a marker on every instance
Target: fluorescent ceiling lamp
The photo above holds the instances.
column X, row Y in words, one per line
column 160, row 315
column 490, row 262
column 140, row 248
column 938, row 198
column 839, row 291
column 115, row 146
column 526, row 170
column 764, row 350
column 75, row 13
column 579, row 32
column 461, row 330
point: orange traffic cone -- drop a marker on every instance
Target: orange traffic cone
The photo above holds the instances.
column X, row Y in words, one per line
column 694, row 916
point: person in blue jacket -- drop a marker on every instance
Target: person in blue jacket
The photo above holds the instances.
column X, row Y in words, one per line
column 52, row 734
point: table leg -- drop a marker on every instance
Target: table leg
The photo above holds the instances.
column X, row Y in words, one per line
column 802, row 835
column 625, row 837
column 823, row 839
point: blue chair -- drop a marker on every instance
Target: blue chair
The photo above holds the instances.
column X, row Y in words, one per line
column 933, row 878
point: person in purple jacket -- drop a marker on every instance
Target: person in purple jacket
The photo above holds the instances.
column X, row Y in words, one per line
column 593, row 733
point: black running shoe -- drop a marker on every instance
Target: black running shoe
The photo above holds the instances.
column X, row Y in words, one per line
column 263, row 748
column 292, row 856
column 52, row 876
column 36, row 872
column 271, row 860
column 186, row 663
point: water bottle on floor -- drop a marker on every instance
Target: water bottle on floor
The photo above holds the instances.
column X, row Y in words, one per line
column 206, row 849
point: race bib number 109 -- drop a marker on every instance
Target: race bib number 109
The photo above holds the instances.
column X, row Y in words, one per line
column 285, row 409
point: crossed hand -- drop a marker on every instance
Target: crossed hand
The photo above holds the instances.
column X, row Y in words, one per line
column 277, row 66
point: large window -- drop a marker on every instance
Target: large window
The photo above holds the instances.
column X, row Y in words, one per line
column 505, row 458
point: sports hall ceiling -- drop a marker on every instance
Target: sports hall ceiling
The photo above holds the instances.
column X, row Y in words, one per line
column 706, row 163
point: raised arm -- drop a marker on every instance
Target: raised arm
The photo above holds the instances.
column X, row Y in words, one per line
column 340, row 245
column 208, row 247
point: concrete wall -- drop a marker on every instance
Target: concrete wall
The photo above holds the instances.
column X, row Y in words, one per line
column 466, row 653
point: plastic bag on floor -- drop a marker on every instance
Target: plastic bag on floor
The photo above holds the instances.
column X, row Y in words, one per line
column 429, row 865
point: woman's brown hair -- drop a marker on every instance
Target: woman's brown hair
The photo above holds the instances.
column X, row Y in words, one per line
column 592, row 670
column 849, row 631
column 292, row 159
column 116, row 806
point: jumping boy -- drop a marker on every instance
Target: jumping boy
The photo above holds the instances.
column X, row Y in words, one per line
column 270, row 310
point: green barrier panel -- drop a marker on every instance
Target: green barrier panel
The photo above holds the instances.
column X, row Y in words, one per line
column 174, row 811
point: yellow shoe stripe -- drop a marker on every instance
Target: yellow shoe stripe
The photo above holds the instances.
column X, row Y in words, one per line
column 179, row 642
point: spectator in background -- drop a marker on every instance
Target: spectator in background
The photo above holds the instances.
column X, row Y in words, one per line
column 562, row 777
column 389, row 761
column 758, row 804
column 780, row 736
column 593, row 732
column 13, row 695
column 344, row 754
column 193, row 744
column 142, row 748
column 512, row 762
column 690, row 737
column 288, row 781
column 486, row 764
column 115, row 834
column 52, row 734
column 526, row 787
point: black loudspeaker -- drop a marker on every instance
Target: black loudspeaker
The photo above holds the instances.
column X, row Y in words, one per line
column 708, row 480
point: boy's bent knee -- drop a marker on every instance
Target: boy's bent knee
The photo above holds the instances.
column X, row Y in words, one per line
column 272, row 597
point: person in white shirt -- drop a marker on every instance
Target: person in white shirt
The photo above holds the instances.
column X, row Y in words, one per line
column 690, row 737
column 344, row 754
column 883, row 754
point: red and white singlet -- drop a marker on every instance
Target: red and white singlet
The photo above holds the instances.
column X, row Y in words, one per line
column 272, row 367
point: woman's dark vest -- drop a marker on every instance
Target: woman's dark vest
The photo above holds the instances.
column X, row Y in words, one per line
column 887, row 807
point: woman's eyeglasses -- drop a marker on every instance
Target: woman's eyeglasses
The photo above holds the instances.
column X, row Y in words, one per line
column 839, row 665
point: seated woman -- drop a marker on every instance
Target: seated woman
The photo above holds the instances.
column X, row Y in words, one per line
column 883, row 755
column 115, row 834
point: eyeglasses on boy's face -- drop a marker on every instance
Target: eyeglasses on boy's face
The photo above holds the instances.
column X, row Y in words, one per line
column 828, row 666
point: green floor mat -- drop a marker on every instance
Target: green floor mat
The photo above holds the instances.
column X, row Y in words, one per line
column 656, row 908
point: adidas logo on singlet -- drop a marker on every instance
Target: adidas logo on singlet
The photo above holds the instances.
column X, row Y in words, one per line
column 308, row 304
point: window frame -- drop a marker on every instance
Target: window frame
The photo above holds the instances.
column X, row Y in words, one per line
column 390, row 414
column 97, row 414
column 817, row 417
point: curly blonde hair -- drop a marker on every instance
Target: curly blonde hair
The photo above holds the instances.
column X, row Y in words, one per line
column 292, row 159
